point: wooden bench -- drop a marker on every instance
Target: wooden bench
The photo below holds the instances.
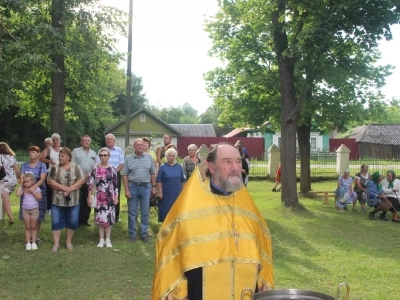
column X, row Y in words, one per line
column 324, row 194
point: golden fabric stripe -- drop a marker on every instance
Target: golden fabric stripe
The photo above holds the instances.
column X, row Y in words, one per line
column 203, row 239
column 207, row 212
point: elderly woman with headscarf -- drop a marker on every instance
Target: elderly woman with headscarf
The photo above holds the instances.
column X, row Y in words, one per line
column 377, row 199
column 391, row 187
column 344, row 191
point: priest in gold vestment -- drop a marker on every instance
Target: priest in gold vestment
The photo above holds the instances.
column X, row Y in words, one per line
column 214, row 242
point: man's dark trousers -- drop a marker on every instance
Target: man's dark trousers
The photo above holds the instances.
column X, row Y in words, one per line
column 84, row 209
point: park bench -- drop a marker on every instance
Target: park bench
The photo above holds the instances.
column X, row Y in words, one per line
column 324, row 194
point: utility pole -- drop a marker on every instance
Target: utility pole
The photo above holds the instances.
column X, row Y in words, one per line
column 129, row 77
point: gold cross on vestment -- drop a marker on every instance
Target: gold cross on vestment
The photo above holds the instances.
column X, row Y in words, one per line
column 235, row 235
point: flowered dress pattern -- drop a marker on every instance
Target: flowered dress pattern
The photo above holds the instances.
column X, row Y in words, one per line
column 105, row 182
column 344, row 188
column 8, row 183
column 373, row 193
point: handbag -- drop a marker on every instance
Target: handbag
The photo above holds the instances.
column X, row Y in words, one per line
column 94, row 198
column 344, row 198
column 153, row 200
column 2, row 170
column 94, row 201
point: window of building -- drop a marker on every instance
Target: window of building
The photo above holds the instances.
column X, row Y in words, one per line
column 143, row 118
column 313, row 143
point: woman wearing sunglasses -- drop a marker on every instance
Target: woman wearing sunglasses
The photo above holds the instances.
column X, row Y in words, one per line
column 103, row 181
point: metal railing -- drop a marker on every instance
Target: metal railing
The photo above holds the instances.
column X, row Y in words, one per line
column 322, row 165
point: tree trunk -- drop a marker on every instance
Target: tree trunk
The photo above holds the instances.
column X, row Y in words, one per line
column 289, row 114
column 57, row 117
column 303, row 137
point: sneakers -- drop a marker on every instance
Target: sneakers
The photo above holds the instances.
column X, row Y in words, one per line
column 28, row 246
column 132, row 239
column 108, row 243
column 101, row 243
column 34, row 246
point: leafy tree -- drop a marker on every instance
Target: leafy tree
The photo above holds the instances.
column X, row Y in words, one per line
column 321, row 52
column 183, row 114
column 66, row 57
column 139, row 99
column 211, row 116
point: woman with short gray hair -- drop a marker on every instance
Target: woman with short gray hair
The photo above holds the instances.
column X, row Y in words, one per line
column 170, row 182
column 191, row 161
column 51, row 157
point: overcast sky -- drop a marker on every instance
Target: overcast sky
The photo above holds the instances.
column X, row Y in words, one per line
column 170, row 51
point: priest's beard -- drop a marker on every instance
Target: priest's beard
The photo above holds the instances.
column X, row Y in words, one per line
column 230, row 183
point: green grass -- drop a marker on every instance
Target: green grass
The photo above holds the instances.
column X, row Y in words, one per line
column 314, row 248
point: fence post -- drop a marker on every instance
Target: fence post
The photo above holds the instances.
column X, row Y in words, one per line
column 203, row 152
column 274, row 159
column 342, row 159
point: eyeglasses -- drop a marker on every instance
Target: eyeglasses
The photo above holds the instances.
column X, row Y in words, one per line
column 103, row 155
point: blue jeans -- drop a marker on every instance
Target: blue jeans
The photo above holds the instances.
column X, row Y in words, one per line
column 139, row 194
column 64, row 217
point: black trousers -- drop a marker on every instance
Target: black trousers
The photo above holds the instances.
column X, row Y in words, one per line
column 117, row 207
column 84, row 209
column 49, row 192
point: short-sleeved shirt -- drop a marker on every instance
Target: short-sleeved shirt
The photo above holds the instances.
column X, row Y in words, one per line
column 29, row 201
column 138, row 168
column 116, row 157
column 85, row 159
column 37, row 170
column 66, row 178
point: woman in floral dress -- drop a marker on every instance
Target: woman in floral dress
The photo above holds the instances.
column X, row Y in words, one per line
column 344, row 189
column 103, row 181
column 8, row 183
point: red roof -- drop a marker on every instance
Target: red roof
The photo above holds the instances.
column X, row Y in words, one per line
column 234, row 132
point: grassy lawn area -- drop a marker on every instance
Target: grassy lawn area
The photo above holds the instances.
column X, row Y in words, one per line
column 314, row 249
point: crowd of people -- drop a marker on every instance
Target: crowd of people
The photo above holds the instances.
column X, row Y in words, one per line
column 65, row 185
column 375, row 190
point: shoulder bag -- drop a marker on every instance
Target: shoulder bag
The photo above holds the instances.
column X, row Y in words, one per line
column 2, row 170
column 94, row 197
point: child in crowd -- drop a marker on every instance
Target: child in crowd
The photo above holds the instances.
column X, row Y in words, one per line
column 277, row 180
column 30, row 208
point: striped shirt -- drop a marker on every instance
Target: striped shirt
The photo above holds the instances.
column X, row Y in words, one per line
column 116, row 157
column 138, row 168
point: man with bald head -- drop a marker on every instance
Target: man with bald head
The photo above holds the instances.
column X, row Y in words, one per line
column 138, row 176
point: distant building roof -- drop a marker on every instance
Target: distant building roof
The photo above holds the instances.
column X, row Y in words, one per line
column 234, row 132
column 385, row 134
column 195, row 130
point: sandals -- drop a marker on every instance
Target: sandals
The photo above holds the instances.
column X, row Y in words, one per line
column 70, row 247
column 11, row 221
column 54, row 249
